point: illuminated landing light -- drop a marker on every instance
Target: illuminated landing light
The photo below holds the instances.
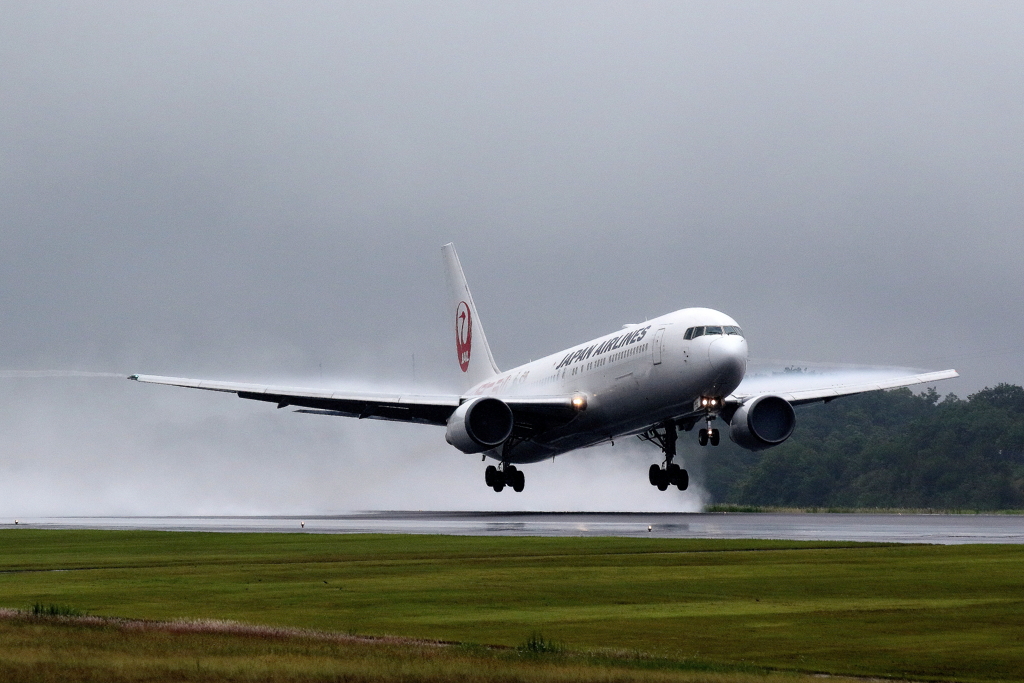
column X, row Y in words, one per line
column 579, row 402
column 710, row 403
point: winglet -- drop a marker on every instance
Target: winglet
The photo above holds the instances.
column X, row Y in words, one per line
column 471, row 348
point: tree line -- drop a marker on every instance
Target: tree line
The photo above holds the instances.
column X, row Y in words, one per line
column 892, row 449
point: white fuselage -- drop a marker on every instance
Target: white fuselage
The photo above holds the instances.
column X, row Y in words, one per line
column 631, row 379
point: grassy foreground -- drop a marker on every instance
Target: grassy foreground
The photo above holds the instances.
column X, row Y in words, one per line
column 113, row 651
column 713, row 608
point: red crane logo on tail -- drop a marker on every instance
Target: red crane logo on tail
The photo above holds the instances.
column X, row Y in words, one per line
column 463, row 334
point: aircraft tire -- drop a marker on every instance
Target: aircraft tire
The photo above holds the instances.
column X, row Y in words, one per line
column 714, row 437
column 518, row 481
column 510, row 475
column 498, row 487
column 663, row 484
column 672, row 472
column 702, row 437
column 653, row 474
column 683, row 480
column 491, row 475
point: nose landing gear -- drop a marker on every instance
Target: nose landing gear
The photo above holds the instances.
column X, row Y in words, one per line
column 708, row 436
column 670, row 474
column 710, row 405
column 506, row 475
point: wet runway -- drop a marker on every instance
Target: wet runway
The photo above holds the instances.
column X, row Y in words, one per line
column 944, row 529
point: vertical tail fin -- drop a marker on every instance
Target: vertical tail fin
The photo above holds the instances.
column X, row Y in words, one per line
column 474, row 355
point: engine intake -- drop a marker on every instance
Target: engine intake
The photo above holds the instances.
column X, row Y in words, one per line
column 762, row 423
column 479, row 425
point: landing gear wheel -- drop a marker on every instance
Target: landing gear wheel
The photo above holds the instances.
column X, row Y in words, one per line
column 491, row 475
column 702, row 437
column 518, row 481
column 654, row 474
column 672, row 471
column 682, row 480
column 713, row 438
column 498, row 487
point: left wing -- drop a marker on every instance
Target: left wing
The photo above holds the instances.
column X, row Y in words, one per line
column 533, row 414
column 798, row 395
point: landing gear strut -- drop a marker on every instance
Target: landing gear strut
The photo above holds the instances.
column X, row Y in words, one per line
column 710, row 406
column 669, row 474
column 505, row 475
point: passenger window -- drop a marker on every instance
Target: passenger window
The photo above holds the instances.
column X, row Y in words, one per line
column 712, row 329
column 689, row 334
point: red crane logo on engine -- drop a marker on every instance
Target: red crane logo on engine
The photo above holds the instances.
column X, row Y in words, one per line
column 463, row 334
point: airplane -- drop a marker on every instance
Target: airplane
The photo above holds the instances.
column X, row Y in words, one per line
column 650, row 380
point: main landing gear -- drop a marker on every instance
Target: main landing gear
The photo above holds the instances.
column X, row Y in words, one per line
column 669, row 474
column 506, row 475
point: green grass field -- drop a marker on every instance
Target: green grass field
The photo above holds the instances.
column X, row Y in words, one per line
column 38, row 650
column 724, row 607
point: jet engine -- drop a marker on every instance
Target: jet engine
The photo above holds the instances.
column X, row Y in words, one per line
column 479, row 424
column 762, row 423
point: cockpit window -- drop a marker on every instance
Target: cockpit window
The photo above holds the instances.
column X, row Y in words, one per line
column 694, row 332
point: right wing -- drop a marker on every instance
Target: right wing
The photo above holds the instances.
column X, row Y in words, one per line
column 426, row 409
column 533, row 414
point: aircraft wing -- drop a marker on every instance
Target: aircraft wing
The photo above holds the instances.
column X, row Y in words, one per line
column 532, row 414
column 795, row 389
column 399, row 407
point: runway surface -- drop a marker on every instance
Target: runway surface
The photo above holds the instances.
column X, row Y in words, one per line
column 943, row 529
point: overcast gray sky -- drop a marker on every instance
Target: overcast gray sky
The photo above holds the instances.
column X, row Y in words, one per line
column 260, row 190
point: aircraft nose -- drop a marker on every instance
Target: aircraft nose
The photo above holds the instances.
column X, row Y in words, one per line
column 728, row 355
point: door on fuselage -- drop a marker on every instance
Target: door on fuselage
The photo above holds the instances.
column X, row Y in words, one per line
column 656, row 346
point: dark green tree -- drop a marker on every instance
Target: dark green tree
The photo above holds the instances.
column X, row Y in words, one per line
column 883, row 449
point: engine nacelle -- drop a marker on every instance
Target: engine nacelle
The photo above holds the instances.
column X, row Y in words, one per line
column 762, row 423
column 480, row 424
